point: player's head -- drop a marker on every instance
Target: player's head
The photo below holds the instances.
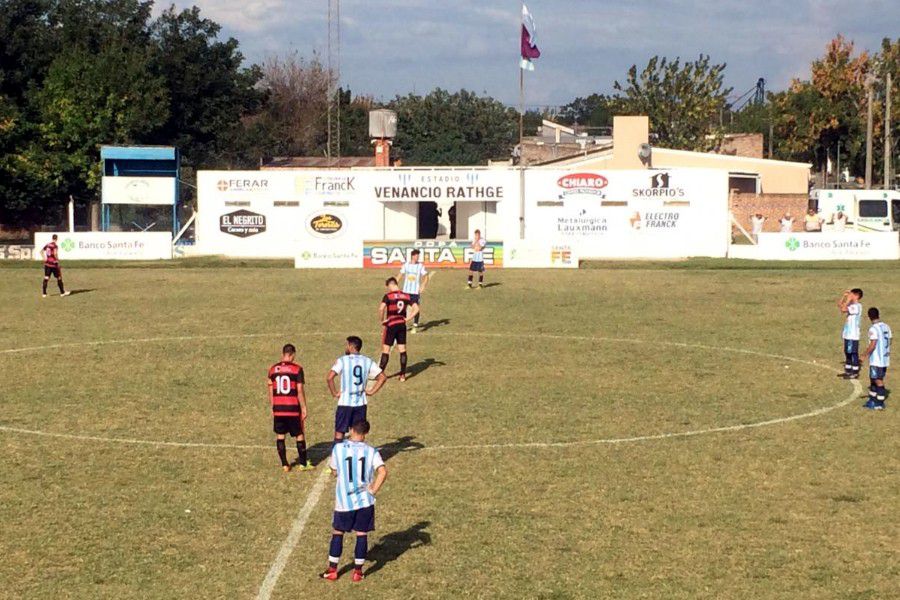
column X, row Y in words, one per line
column 414, row 256
column 392, row 284
column 55, row 237
column 359, row 430
column 288, row 352
column 856, row 293
column 477, row 233
column 874, row 315
column 354, row 344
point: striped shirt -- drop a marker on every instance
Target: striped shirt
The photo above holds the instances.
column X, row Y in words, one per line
column 851, row 327
column 51, row 254
column 355, row 463
column 881, row 355
column 478, row 247
column 412, row 274
column 355, row 371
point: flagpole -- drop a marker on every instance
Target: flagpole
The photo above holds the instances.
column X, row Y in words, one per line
column 521, row 107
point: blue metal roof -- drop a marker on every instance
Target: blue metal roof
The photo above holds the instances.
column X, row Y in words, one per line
column 138, row 153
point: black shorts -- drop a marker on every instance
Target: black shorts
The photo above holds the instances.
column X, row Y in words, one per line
column 394, row 334
column 55, row 271
column 414, row 299
column 347, row 416
column 361, row 519
column 477, row 267
column 291, row 426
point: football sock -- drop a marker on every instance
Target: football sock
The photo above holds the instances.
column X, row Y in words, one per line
column 480, row 279
column 403, row 363
column 335, row 549
column 384, row 360
column 881, row 393
column 282, row 452
column 416, row 320
column 470, row 280
column 848, row 362
column 301, row 452
column 362, row 548
column 45, row 287
column 62, row 290
column 873, row 393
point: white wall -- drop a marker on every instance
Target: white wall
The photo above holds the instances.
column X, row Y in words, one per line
column 629, row 214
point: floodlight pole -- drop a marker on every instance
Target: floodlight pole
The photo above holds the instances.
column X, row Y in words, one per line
column 887, row 132
column 870, row 82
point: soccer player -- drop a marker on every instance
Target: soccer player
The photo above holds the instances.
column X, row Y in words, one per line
column 879, row 355
column 395, row 312
column 414, row 277
column 360, row 473
column 50, row 254
column 477, row 264
column 288, row 406
column 355, row 371
column 850, row 306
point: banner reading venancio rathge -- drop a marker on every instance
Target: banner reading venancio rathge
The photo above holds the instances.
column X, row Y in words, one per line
column 435, row 254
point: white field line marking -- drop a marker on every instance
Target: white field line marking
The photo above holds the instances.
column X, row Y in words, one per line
column 290, row 542
column 857, row 388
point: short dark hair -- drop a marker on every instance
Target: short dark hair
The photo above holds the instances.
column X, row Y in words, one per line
column 361, row 427
column 390, row 280
column 355, row 341
column 288, row 349
column 415, row 252
column 55, row 237
column 874, row 314
column 857, row 291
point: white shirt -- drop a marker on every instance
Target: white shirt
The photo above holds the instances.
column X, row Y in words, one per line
column 412, row 274
column 840, row 223
column 881, row 355
column 787, row 225
column 355, row 463
column 355, row 371
column 478, row 250
column 757, row 224
column 851, row 326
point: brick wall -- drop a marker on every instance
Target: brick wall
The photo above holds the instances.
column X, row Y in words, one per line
column 742, row 144
column 772, row 206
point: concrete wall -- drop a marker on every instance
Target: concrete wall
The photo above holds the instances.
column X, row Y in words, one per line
column 776, row 177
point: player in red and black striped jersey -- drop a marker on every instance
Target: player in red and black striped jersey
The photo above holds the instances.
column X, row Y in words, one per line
column 395, row 312
column 288, row 406
column 50, row 254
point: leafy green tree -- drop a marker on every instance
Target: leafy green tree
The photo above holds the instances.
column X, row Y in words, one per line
column 460, row 128
column 596, row 110
column 683, row 102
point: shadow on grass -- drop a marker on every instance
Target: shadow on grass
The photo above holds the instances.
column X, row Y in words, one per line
column 394, row 545
column 423, row 365
column 491, row 284
column 403, row 444
column 81, row 291
column 432, row 324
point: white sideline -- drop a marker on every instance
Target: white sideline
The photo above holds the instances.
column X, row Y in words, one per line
column 290, row 542
column 660, row 436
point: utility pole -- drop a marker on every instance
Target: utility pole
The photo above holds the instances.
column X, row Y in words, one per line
column 771, row 138
column 887, row 132
column 870, row 84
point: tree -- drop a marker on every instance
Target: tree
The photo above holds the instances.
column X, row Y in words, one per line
column 683, row 102
column 460, row 128
column 596, row 110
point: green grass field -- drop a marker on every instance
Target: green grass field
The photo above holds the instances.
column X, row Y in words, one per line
column 513, row 468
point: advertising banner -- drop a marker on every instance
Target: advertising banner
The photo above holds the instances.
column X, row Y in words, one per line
column 329, row 239
column 16, row 252
column 451, row 254
column 629, row 214
column 100, row 245
column 521, row 254
column 138, row 190
column 441, row 185
column 848, row 245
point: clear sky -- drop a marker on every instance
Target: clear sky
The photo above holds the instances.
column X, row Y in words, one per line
column 393, row 47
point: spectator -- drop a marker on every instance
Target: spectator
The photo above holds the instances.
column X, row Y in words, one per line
column 787, row 223
column 812, row 221
column 840, row 221
column 757, row 222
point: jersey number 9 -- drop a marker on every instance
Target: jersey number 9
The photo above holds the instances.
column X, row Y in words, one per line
column 358, row 377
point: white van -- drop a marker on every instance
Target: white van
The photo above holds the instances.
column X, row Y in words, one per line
column 866, row 210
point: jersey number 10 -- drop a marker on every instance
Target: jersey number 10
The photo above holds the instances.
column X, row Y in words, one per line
column 282, row 385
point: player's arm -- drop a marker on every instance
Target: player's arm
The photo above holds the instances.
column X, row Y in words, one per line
column 426, row 277
column 382, row 312
column 301, row 396
column 331, row 386
column 44, row 253
column 379, row 383
column 411, row 312
column 380, row 476
column 873, row 340
column 271, row 391
column 843, row 301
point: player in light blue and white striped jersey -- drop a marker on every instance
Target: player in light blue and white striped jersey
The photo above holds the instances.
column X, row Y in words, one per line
column 850, row 306
column 360, row 473
column 355, row 371
column 879, row 354
column 415, row 277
